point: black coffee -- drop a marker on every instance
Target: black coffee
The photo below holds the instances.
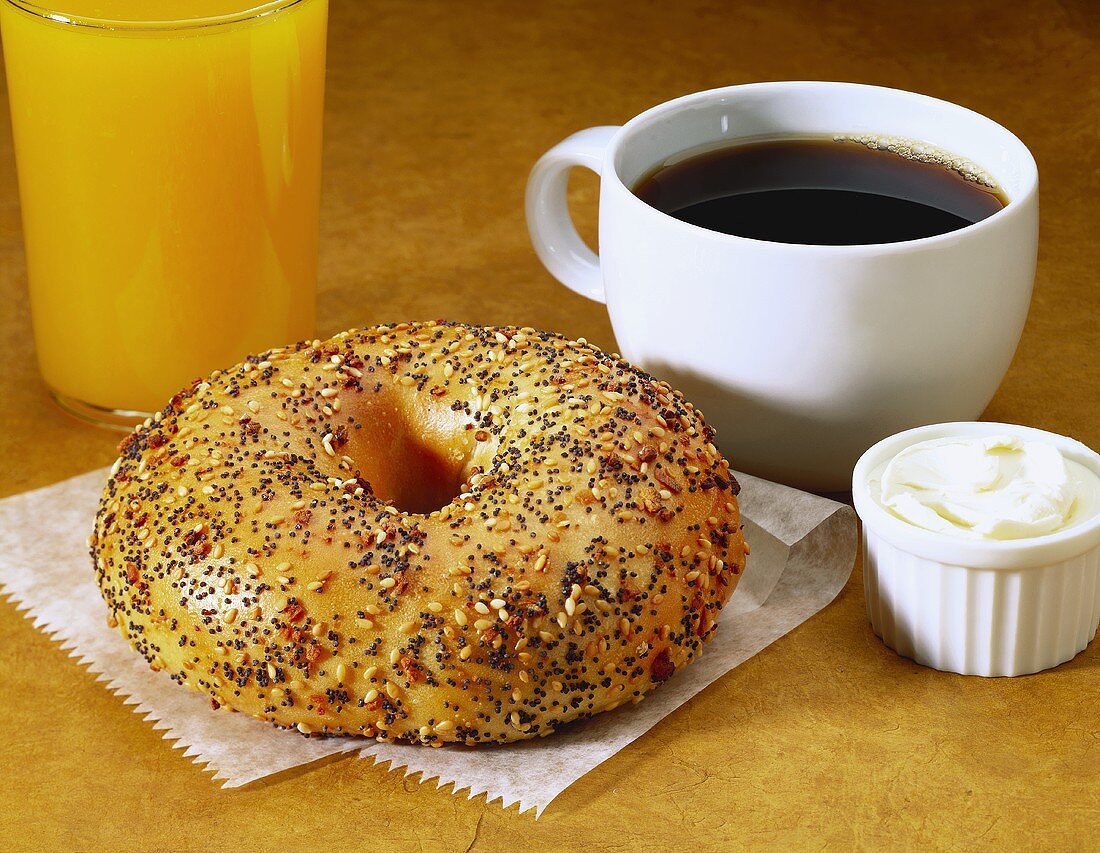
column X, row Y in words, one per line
column 818, row 191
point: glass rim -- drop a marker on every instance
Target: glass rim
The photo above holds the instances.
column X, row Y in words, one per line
column 252, row 12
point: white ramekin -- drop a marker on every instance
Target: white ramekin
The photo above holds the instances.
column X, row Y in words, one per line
column 975, row 607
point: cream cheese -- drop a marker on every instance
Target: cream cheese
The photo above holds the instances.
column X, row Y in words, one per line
column 988, row 487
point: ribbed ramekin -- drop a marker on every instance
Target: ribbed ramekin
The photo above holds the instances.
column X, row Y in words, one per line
column 974, row 607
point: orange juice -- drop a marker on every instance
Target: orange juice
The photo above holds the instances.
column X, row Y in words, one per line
column 169, row 157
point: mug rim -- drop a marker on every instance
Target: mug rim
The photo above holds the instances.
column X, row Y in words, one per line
column 1029, row 170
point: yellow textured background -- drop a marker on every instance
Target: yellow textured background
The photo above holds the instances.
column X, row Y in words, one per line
column 435, row 113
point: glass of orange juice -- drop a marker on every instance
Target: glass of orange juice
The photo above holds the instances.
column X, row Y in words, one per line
column 169, row 163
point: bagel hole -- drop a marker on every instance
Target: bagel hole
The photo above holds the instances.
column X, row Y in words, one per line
column 414, row 457
column 430, row 481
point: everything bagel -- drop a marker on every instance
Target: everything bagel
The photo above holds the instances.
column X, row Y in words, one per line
column 428, row 532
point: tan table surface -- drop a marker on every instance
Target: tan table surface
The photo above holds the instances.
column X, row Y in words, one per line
column 435, row 113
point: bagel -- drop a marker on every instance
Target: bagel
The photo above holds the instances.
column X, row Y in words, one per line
column 428, row 532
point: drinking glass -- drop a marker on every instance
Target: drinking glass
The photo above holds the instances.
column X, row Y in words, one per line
column 169, row 162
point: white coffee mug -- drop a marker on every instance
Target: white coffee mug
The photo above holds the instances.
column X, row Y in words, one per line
column 801, row 356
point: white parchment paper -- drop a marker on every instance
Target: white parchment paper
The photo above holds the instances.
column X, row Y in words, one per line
column 803, row 550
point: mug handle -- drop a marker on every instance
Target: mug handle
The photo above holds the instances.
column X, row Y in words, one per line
column 555, row 238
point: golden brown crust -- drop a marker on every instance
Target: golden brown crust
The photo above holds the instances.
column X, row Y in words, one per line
column 272, row 538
